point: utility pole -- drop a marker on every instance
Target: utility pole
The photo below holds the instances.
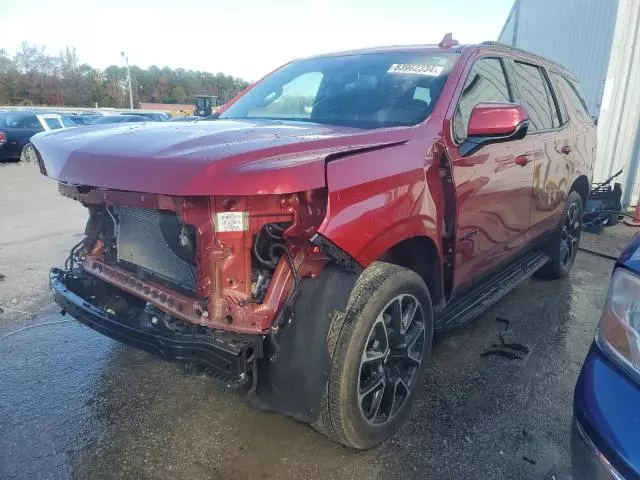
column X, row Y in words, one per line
column 126, row 59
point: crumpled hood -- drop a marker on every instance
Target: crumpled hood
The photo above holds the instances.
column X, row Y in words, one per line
column 198, row 158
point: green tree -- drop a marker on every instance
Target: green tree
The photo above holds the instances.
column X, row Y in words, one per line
column 34, row 77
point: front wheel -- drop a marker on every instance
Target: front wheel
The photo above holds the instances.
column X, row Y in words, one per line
column 379, row 351
column 563, row 245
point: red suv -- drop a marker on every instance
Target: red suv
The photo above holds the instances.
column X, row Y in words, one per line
column 309, row 241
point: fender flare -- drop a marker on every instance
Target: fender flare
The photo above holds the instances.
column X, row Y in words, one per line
column 416, row 226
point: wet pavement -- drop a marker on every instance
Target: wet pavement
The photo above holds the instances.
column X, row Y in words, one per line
column 496, row 402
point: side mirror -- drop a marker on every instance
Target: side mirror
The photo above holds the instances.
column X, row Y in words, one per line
column 492, row 123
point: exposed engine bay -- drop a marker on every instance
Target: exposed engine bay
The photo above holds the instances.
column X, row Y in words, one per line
column 229, row 263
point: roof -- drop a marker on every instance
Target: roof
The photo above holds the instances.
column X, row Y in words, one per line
column 542, row 60
column 457, row 49
column 387, row 49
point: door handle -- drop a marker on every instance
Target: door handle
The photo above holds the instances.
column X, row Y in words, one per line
column 522, row 160
column 566, row 149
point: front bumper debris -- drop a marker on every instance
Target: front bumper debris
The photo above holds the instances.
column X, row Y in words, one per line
column 228, row 356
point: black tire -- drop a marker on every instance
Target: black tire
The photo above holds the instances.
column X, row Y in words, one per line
column 379, row 307
column 563, row 245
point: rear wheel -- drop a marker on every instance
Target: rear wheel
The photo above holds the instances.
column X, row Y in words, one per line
column 563, row 245
column 379, row 351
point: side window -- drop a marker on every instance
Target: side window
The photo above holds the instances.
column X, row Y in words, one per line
column 53, row 123
column 30, row 121
column 486, row 82
column 564, row 116
column 535, row 96
column 576, row 103
column 552, row 96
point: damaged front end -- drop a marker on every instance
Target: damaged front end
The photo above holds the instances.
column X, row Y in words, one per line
column 216, row 281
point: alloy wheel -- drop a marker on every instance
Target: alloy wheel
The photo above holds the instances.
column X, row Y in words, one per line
column 391, row 359
column 570, row 235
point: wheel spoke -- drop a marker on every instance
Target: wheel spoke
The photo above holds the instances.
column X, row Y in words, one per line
column 373, row 356
column 398, row 391
column 571, row 214
column 405, row 350
column 408, row 314
column 375, row 383
column 377, row 403
column 377, row 344
column 395, row 315
column 411, row 343
column 388, row 394
column 370, row 397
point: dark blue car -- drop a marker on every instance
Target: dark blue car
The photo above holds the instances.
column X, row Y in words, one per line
column 17, row 128
column 606, row 431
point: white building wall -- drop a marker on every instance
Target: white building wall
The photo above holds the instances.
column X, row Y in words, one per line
column 597, row 40
column 619, row 122
column 574, row 33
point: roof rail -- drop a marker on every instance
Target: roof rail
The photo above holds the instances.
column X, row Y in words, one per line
column 522, row 50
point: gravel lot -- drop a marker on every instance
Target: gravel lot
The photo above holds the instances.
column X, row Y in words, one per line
column 74, row 404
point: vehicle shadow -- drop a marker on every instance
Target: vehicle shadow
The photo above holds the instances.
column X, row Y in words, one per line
column 155, row 421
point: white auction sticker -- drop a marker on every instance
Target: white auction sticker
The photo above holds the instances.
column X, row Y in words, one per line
column 232, row 221
column 416, row 69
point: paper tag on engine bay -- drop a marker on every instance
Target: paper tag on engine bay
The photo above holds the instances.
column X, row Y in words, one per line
column 232, row 221
column 416, row 69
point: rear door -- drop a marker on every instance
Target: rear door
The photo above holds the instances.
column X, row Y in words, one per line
column 574, row 109
column 493, row 185
column 552, row 145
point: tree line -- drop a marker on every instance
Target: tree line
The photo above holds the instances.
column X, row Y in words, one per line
column 33, row 77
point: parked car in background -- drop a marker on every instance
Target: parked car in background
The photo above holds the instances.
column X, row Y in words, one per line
column 108, row 119
column 185, row 118
column 17, row 128
column 606, row 427
column 335, row 215
column 155, row 116
column 81, row 120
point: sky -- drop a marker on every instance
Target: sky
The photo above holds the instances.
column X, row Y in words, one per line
column 244, row 38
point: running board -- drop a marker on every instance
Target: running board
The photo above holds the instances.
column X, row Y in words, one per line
column 467, row 307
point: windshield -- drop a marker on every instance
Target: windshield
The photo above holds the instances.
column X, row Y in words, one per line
column 369, row 91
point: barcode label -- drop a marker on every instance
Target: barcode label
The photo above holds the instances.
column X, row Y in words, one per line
column 416, row 69
column 232, row 221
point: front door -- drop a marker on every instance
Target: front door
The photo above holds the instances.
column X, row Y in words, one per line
column 493, row 185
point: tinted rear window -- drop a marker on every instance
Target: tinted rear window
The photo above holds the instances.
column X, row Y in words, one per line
column 576, row 103
column 53, row 123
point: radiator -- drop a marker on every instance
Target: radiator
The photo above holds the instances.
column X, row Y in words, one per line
column 149, row 239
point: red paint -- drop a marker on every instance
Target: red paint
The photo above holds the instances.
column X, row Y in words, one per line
column 365, row 190
column 495, row 119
